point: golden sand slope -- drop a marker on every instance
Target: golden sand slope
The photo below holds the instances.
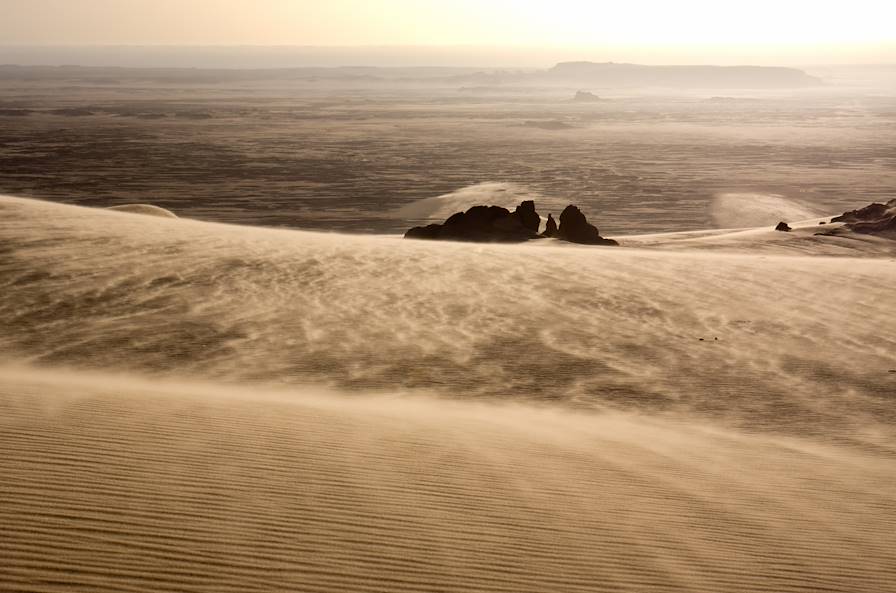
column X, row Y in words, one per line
column 155, row 484
column 798, row 343
column 115, row 485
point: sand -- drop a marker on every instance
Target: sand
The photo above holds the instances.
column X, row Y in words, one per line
column 189, row 406
column 136, row 486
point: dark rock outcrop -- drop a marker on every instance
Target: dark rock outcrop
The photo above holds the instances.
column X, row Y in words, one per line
column 493, row 224
column 430, row 231
column 575, row 228
column 550, row 227
column 869, row 213
column 482, row 224
column 528, row 216
column 886, row 227
column 874, row 219
column 783, row 227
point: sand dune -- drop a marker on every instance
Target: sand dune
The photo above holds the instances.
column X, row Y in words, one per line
column 149, row 487
column 752, row 210
column 189, row 406
column 596, row 327
column 146, row 209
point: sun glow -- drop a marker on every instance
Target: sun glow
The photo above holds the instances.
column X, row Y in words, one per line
column 632, row 28
column 700, row 22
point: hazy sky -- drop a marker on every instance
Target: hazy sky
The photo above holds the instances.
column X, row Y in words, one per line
column 861, row 30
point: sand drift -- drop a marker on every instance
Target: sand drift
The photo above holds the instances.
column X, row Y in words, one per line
column 197, row 407
column 764, row 340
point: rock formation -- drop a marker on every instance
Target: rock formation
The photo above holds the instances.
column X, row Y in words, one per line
column 483, row 224
column 528, row 216
column 874, row 219
column 575, row 228
column 783, row 227
column 869, row 213
column 550, row 227
column 493, row 224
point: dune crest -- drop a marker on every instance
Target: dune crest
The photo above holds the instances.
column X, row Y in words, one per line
column 621, row 329
column 742, row 210
column 145, row 209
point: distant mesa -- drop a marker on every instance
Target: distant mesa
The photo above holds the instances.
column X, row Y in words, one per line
column 145, row 209
column 636, row 75
column 494, row 224
column 783, row 227
column 580, row 74
column 874, row 219
column 586, row 97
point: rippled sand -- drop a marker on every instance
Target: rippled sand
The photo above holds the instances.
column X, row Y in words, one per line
column 497, row 418
column 135, row 486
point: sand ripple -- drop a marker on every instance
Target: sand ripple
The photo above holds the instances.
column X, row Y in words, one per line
column 186, row 488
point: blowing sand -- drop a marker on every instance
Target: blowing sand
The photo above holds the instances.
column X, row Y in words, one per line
column 196, row 407
column 186, row 488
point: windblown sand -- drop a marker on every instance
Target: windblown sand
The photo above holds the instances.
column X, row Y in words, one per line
column 525, row 418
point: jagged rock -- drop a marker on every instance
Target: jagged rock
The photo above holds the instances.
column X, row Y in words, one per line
column 484, row 224
column 885, row 227
column 430, row 231
column 874, row 219
column 493, row 224
column 550, row 227
column 783, row 226
column 575, row 228
column 528, row 216
column 870, row 212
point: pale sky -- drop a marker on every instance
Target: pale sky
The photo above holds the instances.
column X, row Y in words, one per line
column 860, row 30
